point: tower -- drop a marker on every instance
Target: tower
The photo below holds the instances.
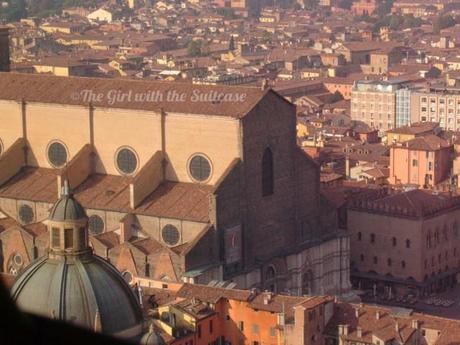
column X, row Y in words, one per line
column 4, row 49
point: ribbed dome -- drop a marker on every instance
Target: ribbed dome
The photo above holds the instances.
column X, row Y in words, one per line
column 152, row 338
column 85, row 290
column 67, row 208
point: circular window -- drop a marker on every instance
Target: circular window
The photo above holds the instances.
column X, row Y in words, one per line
column 127, row 276
column 18, row 259
column 170, row 235
column 26, row 214
column 126, row 161
column 200, row 168
column 57, row 154
column 95, row 224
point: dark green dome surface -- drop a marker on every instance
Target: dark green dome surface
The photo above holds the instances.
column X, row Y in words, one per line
column 79, row 290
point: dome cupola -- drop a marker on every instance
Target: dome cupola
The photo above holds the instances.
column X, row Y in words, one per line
column 68, row 225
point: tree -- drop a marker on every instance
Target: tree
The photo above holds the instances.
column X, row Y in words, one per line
column 336, row 97
column 443, row 22
column 311, row 4
column 197, row 48
column 345, row 4
column 231, row 45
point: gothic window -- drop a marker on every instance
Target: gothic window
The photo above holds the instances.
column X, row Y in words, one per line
column 407, row 243
column 57, row 154
column 270, row 273
column 394, row 241
column 359, row 236
column 372, row 238
column 403, row 264
column 126, row 161
column 267, row 173
column 200, row 168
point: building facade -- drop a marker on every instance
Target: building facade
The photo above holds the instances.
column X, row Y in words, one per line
column 407, row 241
column 423, row 161
column 177, row 184
column 374, row 103
column 435, row 105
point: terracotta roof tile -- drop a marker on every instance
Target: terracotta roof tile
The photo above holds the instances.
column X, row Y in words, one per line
column 63, row 90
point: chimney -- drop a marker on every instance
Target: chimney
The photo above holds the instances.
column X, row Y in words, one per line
column 267, row 297
column 264, row 85
column 377, row 315
column 5, row 64
column 359, row 332
column 415, row 324
column 346, row 329
column 397, row 327
column 357, row 313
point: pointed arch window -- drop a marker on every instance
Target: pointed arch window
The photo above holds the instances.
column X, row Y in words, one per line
column 267, row 173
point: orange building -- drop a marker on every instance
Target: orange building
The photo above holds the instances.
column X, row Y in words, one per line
column 363, row 7
column 254, row 318
column 423, row 161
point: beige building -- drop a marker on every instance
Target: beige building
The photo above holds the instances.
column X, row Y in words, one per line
column 407, row 241
column 374, row 103
column 180, row 181
column 442, row 106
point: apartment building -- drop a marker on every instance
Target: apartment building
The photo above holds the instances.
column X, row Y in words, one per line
column 437, row 105
column 374, row 103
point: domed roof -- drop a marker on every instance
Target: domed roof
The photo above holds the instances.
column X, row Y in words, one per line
column 84, row 290
column 152, row 338
column 67, row 208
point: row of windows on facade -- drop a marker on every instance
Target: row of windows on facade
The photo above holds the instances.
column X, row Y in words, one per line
column 446, row 257
column 433, row 239
column 169, row 233
column 127, row 162
column 376, row 261
column 394, row 240
column 403, row 263
column 442, row 101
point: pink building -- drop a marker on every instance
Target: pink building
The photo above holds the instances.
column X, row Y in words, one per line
column 422, row 161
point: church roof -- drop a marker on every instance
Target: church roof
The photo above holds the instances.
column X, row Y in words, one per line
column 76, row 91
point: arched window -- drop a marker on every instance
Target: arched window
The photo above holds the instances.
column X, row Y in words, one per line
column 394, row 241
column 359, row 236
column 267, row 172
column 372, row 238
column 407, row 243
column 389, row 262
column 270, row 273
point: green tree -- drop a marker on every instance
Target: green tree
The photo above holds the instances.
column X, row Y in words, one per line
column 443, row 22
column 311, row 4
column 345, row 4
